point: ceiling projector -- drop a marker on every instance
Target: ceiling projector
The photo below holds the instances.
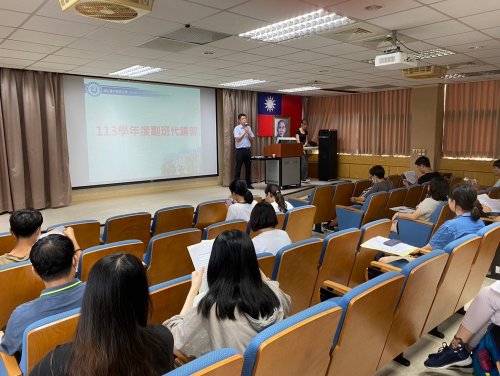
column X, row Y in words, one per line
column 395, row 60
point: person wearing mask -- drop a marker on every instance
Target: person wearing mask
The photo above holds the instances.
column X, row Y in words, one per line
column 264, row 221
column 276, row 199
column 26, row 226
column 113, row 336
column 243, row 142
column 242, row 199
column 240, row 302
column 380, row 184
column 303, row 138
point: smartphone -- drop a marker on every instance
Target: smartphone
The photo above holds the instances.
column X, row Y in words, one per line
column 392, row 242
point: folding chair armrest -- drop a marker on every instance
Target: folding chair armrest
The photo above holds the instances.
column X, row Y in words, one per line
column 182, row 359
column 422, row 251
column 10, row 365
column 337, row 288
column 385, row 267
column 350, row 208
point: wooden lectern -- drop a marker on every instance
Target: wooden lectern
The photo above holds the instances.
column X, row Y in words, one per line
column 284, row 168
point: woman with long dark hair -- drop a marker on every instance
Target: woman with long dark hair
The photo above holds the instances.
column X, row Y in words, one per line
column 263, row 221
column 112, row 337
column 240, row 302
column 276, row 198
column 242, row 201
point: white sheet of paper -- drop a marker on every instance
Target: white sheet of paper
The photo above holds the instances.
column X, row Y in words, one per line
column 495, row 286
column 200, row 256
column 58, row 231
column 400, row 249
column 493, row 204
column 410, row 177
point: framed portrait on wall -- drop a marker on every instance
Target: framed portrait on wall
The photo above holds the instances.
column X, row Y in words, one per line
column 281, row 127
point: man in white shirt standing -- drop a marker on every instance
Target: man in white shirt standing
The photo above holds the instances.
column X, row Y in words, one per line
column 242, row 141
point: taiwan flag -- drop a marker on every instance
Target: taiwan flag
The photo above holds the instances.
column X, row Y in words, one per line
column 269, row 106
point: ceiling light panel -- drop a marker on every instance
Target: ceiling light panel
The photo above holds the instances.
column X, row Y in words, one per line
column 243, row 83
column 299, row 89
column 136, row 71
column 310, row 23
column 435, row 52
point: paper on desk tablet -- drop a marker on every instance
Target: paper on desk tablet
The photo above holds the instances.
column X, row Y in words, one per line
column 400, row 249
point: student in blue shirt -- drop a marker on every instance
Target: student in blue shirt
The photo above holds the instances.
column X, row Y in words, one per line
column 462, row 201
column 242, row 141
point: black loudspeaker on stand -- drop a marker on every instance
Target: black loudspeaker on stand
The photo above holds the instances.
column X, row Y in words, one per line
column 327, row 158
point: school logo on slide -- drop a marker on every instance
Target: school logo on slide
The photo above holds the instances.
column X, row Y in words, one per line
column 93, row 89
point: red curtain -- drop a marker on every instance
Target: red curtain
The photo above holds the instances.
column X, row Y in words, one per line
column 472, row 120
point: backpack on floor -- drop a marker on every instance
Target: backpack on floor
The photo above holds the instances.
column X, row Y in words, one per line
column 487, row 353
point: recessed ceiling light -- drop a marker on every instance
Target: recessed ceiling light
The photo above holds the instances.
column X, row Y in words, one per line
column 208, row 53
column 298, row 89
column 250, row 81
column 451, row 76
column 475, row 47
column 296, row 27
column 136, row 71
column 435, row 52
column 373, row 7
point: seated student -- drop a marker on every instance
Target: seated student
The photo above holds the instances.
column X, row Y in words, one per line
column 483, row 311
column 276, row 199
column 243, row 201
column 240, row 302
column 25, row 225
column 112, row 336
column 496, row 172
column 424, row 167
column 438, row 192
column 54, row 260
column 380, row 184
column 462, row 202
column 263, row 220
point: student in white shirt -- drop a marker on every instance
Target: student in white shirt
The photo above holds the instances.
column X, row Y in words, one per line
column 276, row 199
column 263, row 220
column 243, row 201
column 438, row 192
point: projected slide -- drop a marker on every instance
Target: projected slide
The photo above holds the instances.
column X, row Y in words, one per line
column 137, row 131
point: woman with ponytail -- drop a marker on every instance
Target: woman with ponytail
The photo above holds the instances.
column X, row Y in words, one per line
column 243, row 201
column 462, row 201
column 276, row 199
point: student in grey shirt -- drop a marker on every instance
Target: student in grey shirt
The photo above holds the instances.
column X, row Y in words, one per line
column 380, row 184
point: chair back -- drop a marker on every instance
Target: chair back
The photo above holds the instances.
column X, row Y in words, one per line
column 167, row 256
column 341, row 196
column 494, row 193
column 212, row 231
column 426, row 188
column 360, row 186
column 298, row 222
column 279, row 226
column 396, row 198
column 455, row 180
column 461, row 255
column 336, row 259
column 296, row 269
column 128, row 226
column 44, row 335
column 280, row 348
column 91, row 255
column 209, row 212
column 413, row 195
column 422, row 277
column 172, row 219
column 321, row 199
column 372, row 302
column 167, row 298
column 266, row 262
column 222, row 362
column 394, row 179
column 7, row 242
column 402, row 178
column 374, row 207
column 364, row 256
column 490, row 240
column 18, row 285
column 88, row 232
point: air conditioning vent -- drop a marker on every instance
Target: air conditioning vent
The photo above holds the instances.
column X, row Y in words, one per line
column 430, row 71
column 121, row 11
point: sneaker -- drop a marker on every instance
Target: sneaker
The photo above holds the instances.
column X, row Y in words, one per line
column 306, row 181
column 447, row 357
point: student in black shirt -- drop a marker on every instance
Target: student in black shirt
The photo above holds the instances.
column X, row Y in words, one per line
column 424, row 167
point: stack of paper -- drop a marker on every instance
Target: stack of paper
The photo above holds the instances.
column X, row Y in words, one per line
column 400, row 249
column 410, row 177
column 402, row 209
column 493, row 204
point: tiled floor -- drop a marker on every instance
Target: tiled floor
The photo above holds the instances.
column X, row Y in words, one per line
column 102, row 209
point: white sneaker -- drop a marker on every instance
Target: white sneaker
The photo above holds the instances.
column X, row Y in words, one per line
column 306, row 181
